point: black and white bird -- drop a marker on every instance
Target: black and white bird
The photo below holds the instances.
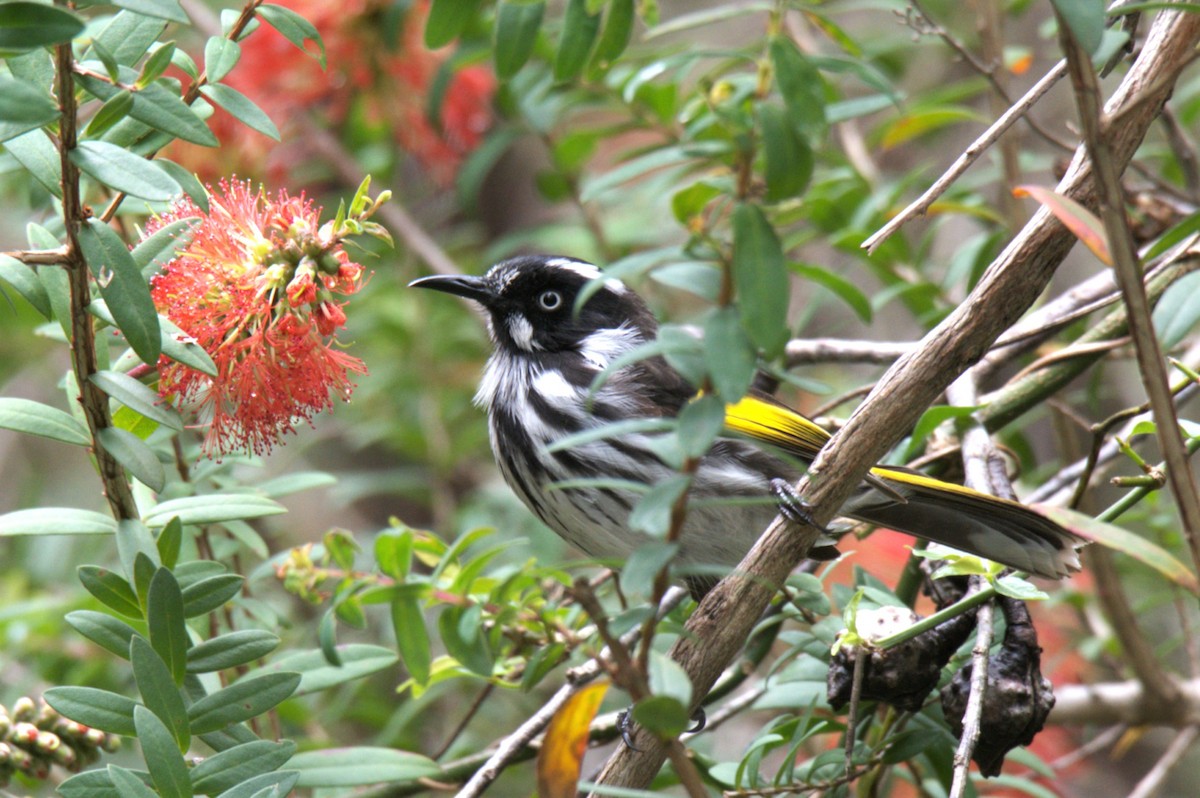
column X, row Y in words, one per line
column 538, row 387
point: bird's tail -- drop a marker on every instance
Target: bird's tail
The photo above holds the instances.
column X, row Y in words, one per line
column 965, row 519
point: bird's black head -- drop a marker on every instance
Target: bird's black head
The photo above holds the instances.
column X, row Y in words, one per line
column 532, row 304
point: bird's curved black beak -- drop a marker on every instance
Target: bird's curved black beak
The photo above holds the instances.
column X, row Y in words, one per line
column 463, row 285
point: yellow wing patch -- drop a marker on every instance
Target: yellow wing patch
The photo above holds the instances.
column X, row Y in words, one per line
column 777, row 424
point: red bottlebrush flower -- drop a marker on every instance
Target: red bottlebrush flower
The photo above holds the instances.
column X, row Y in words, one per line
column 251, row 289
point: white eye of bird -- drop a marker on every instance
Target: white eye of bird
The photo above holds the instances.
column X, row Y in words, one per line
column 550, row 300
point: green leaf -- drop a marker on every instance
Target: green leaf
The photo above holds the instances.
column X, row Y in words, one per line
column 295, row 482
column 295, row 28
column 133, row 539
column 132, row 452
column 23, row 107
column 242, row 107
column 182, row 348
column 578, row 35
column 38, row 155
column 168, row 770
column 128, row 784
column 412, row 639
column 188, row 182
column 517, row 25
column 156, row 106
column 158, row 690
column 144, row 569
column 662, row 715
column 359, row 765
column 212, row 508
column 220, row 57
column 933, row 418
column 152, row 253
column 618, row 30
column 169, row 10
column 801, row 85
column 114, row 110
column 165, row 620
column 462, row 635
column 110, row 589
column 124, row 289
column 230, row 650
column 132, row 393
column 156, row 64
column 700, row 422
column 24, row 26
column 729, row 355
column 358, row 660
column 111, row 634
column 25, row 280
column 760, row 274
column 120, row 169
column 652, row 514
column 242, row 700
column 102, row 709
column 128, row 37
column 231, row 767
column 644, row 565
column 209, row 594
column 95, row 784
column 690, row 202
column 35, row 418
column 839, row 286
column 170, row 541
column 1177, row 312
column 55, row 521
column 447, row 19
column 1085, row 19
column 788, row 158
column 269, row 785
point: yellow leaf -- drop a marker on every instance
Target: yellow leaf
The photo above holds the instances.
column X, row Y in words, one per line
column 561, row 757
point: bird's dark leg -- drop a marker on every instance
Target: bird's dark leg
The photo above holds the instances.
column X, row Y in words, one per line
column 625, row 725
column 793, row 507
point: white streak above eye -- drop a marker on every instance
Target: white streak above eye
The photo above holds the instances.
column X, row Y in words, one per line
column 588, row 272
column 522, row 332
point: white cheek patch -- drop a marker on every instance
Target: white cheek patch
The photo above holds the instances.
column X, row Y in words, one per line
column 553, row 385
column 603, row 346
column 522, row 332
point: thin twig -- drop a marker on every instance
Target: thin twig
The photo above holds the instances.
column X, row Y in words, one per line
column 1149, row 785
column 980, row 145
column 974, row 711
column 806, row 351
column 39, row 257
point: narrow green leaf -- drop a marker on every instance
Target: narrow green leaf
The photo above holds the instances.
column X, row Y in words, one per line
column 662, row 715
column 144, row 569
column 102, row 709
column 158, row 107
column 188, row 182
column 213, row 508
column 728, row 354
column 35, row 418
column 25, row 281
column 169, row 542
column 447, row 19
column 124, row 289
column 618, row 30
column 242, row 700
column 360, row 765
column 152, row 253
column 327, row 637
column 128, row 37
column 132, row 393
column 120, row 169
column 801, row 85
column 114, row 110
column 35, row 152
column 168, row 770
column 230, row 650
column 578, row 35
column 110, row 589
column 23, row 107
column 133, row 538
column 111, row 634
column 788, row 158
column 412, row 638
column 159, row 692
column 652, row 514
column 132, row 452
column 128, row 784
column 700, row 422
column 839, row 286
column 156, row 64
column 24, row 26
column 358, row 660
column 169, row 10
column 231, row 767
column 760, row 274
column 517, row 25
column 165, row 620
column 209, row 594
column 182, row 348
column 295, row 28
column 1085, row 19
column 220, row 57
column 95, row 784
column 242, row 107
column 269, row 785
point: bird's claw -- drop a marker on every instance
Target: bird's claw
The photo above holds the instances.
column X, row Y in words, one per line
column 793, row 507
column 625, row 725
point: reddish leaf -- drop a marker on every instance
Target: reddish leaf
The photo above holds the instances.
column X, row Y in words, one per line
column 1118, row 539
column 561, row 756
column 1078, row 219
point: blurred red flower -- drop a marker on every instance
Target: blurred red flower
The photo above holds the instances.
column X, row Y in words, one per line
column 259, row 287
column 390, row 79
